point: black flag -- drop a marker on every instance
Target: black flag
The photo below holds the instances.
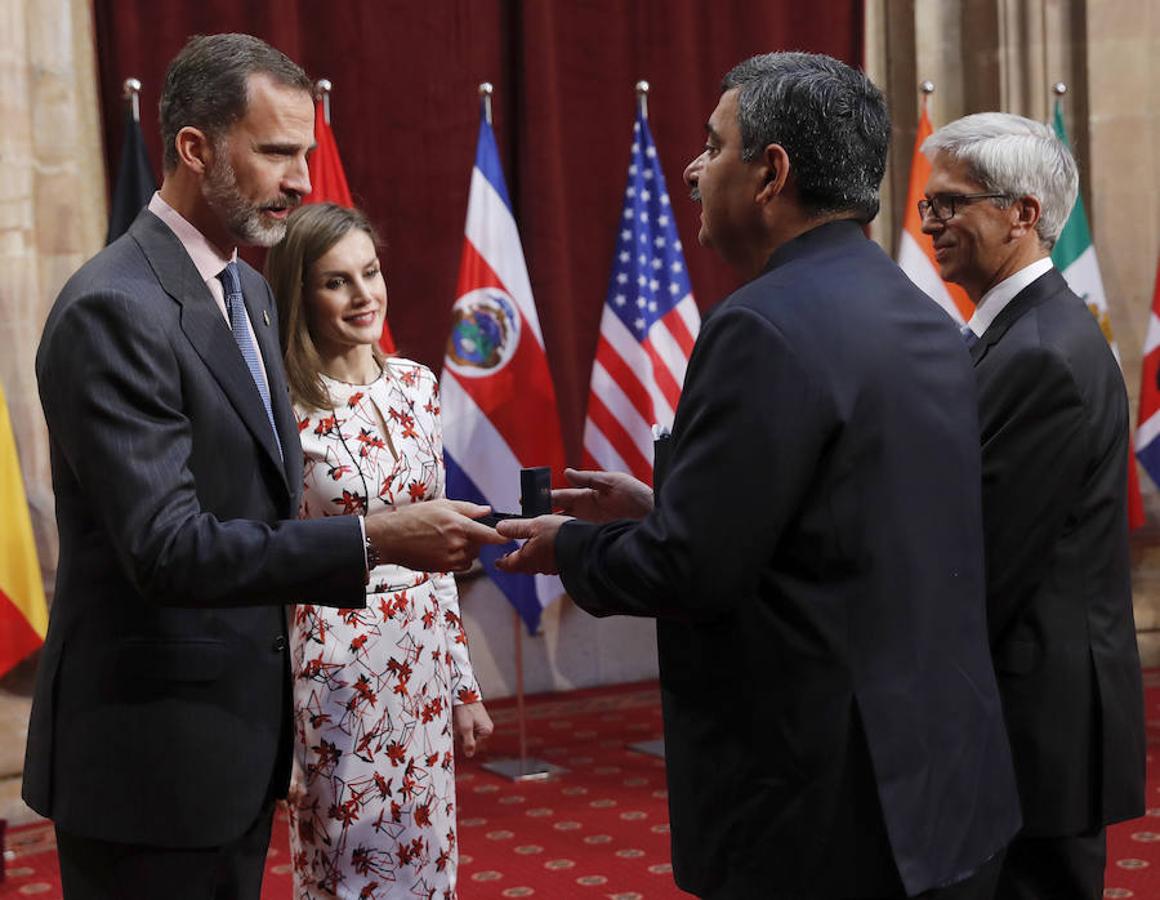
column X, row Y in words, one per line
column 135, row 181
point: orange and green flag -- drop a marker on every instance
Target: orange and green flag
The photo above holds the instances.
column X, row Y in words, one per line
column 23, row 611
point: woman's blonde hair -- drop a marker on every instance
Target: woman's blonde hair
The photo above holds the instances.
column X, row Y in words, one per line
column 311, row 231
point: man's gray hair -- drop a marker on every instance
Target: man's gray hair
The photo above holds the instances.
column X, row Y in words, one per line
column 830, row 119
column 207, row 85
column 1012, row 155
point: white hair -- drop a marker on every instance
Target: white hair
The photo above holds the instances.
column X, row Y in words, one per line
column 1012, row 155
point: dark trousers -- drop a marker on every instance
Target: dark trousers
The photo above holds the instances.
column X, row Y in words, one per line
column 1054, row 868
column 92, row 869
column 979, row 886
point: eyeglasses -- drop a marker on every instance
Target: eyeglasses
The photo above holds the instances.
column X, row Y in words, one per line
column 944, row 206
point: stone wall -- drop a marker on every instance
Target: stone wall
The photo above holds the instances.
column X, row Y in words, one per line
column 52, row 206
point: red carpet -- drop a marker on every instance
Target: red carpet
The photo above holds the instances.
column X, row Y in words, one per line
column 600, row 830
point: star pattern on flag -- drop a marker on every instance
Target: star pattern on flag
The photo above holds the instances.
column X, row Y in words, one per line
column 649, row 275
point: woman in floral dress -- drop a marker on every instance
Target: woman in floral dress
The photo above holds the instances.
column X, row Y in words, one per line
column 379, row 693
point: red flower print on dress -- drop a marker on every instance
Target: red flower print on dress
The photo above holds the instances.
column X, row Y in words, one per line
column 374, row 687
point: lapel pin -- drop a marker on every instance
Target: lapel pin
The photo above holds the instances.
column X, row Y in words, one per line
column 266, row 318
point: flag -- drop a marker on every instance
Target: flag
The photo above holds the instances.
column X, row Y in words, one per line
column 135, row 182
column 915, row 251
column 1075, row 257
column 328, row 185
column 499, row 406
column 648, row 325
column 23, row 612
column 327, row 179
column 1148, row 422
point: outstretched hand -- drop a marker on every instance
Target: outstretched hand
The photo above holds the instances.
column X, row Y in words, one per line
column 603, row 496
column 434, row 536
column 538, row 554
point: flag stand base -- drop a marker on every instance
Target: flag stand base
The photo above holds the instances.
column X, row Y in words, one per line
column 649, row 748
column 522, row 767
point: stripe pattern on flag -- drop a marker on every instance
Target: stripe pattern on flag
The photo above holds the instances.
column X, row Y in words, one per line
column 648, row 326
column 498, row 403
column 23, row 611
column 1148, row 429
column 915, row 251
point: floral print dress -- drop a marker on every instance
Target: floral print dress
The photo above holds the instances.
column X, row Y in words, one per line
column 373, row 801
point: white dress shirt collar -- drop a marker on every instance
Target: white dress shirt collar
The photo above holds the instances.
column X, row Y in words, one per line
column 206, row 257
column 995, row 300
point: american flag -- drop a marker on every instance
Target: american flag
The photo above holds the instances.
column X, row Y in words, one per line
column 649, row 323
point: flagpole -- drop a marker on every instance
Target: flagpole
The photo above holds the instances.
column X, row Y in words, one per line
column 131, row 91
column 322, row 89
column 1059, row 89
column 523, row 767
column 927, row 88
column 642, row 98
column 486, row 89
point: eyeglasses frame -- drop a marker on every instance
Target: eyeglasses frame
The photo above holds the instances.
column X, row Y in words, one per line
column 925, row 205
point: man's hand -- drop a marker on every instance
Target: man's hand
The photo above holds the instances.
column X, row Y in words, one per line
column 603, row 496
column 539, row 553
column 434, row 536
column 472, row 727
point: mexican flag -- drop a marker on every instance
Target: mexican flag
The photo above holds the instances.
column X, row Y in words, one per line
column 1075, row 257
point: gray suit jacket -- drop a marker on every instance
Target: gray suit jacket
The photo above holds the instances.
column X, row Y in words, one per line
column 162, row 711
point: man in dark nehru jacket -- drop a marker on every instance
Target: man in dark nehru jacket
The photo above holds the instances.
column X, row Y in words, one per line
column 160, row 732
column 814, row 556
column 1054, row 419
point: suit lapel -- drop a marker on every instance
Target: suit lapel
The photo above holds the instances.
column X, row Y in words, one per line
column 1046, row 285
column 207, row 331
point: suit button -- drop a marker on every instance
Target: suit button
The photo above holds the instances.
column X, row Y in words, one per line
column 279, row 644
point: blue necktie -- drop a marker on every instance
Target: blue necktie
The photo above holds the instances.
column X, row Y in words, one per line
column 969, row 336
column 236, row 309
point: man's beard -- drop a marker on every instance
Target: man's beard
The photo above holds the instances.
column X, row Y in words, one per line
column 242, row 218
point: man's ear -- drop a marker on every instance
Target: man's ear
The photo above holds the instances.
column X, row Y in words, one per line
column 774, row 173
column 1025, row 215
column 194, row 149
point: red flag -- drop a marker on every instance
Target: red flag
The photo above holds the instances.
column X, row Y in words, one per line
column 327, row 179
column 328, row 185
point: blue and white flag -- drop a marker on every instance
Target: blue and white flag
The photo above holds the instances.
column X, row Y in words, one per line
column 499, row 406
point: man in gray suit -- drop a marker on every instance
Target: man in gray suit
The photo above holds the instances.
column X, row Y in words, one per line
column 160, row 732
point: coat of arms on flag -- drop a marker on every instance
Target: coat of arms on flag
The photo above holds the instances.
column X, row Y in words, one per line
column 499, row 405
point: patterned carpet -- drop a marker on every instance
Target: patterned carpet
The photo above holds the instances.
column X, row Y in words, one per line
column 598, row 830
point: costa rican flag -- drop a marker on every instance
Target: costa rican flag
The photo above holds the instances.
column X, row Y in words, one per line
column 649, row 323
column 498, row 404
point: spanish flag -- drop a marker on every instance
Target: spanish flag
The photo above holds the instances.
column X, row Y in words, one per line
column 23, row 612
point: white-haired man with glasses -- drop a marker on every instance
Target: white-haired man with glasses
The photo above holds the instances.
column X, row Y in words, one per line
column 1053, row 416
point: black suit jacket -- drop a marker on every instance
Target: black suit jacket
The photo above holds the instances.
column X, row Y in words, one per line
column 161, row 713
column 1054, row 421
column 815, row 557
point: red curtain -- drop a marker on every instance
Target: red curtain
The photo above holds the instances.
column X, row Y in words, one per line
column 405, row 115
